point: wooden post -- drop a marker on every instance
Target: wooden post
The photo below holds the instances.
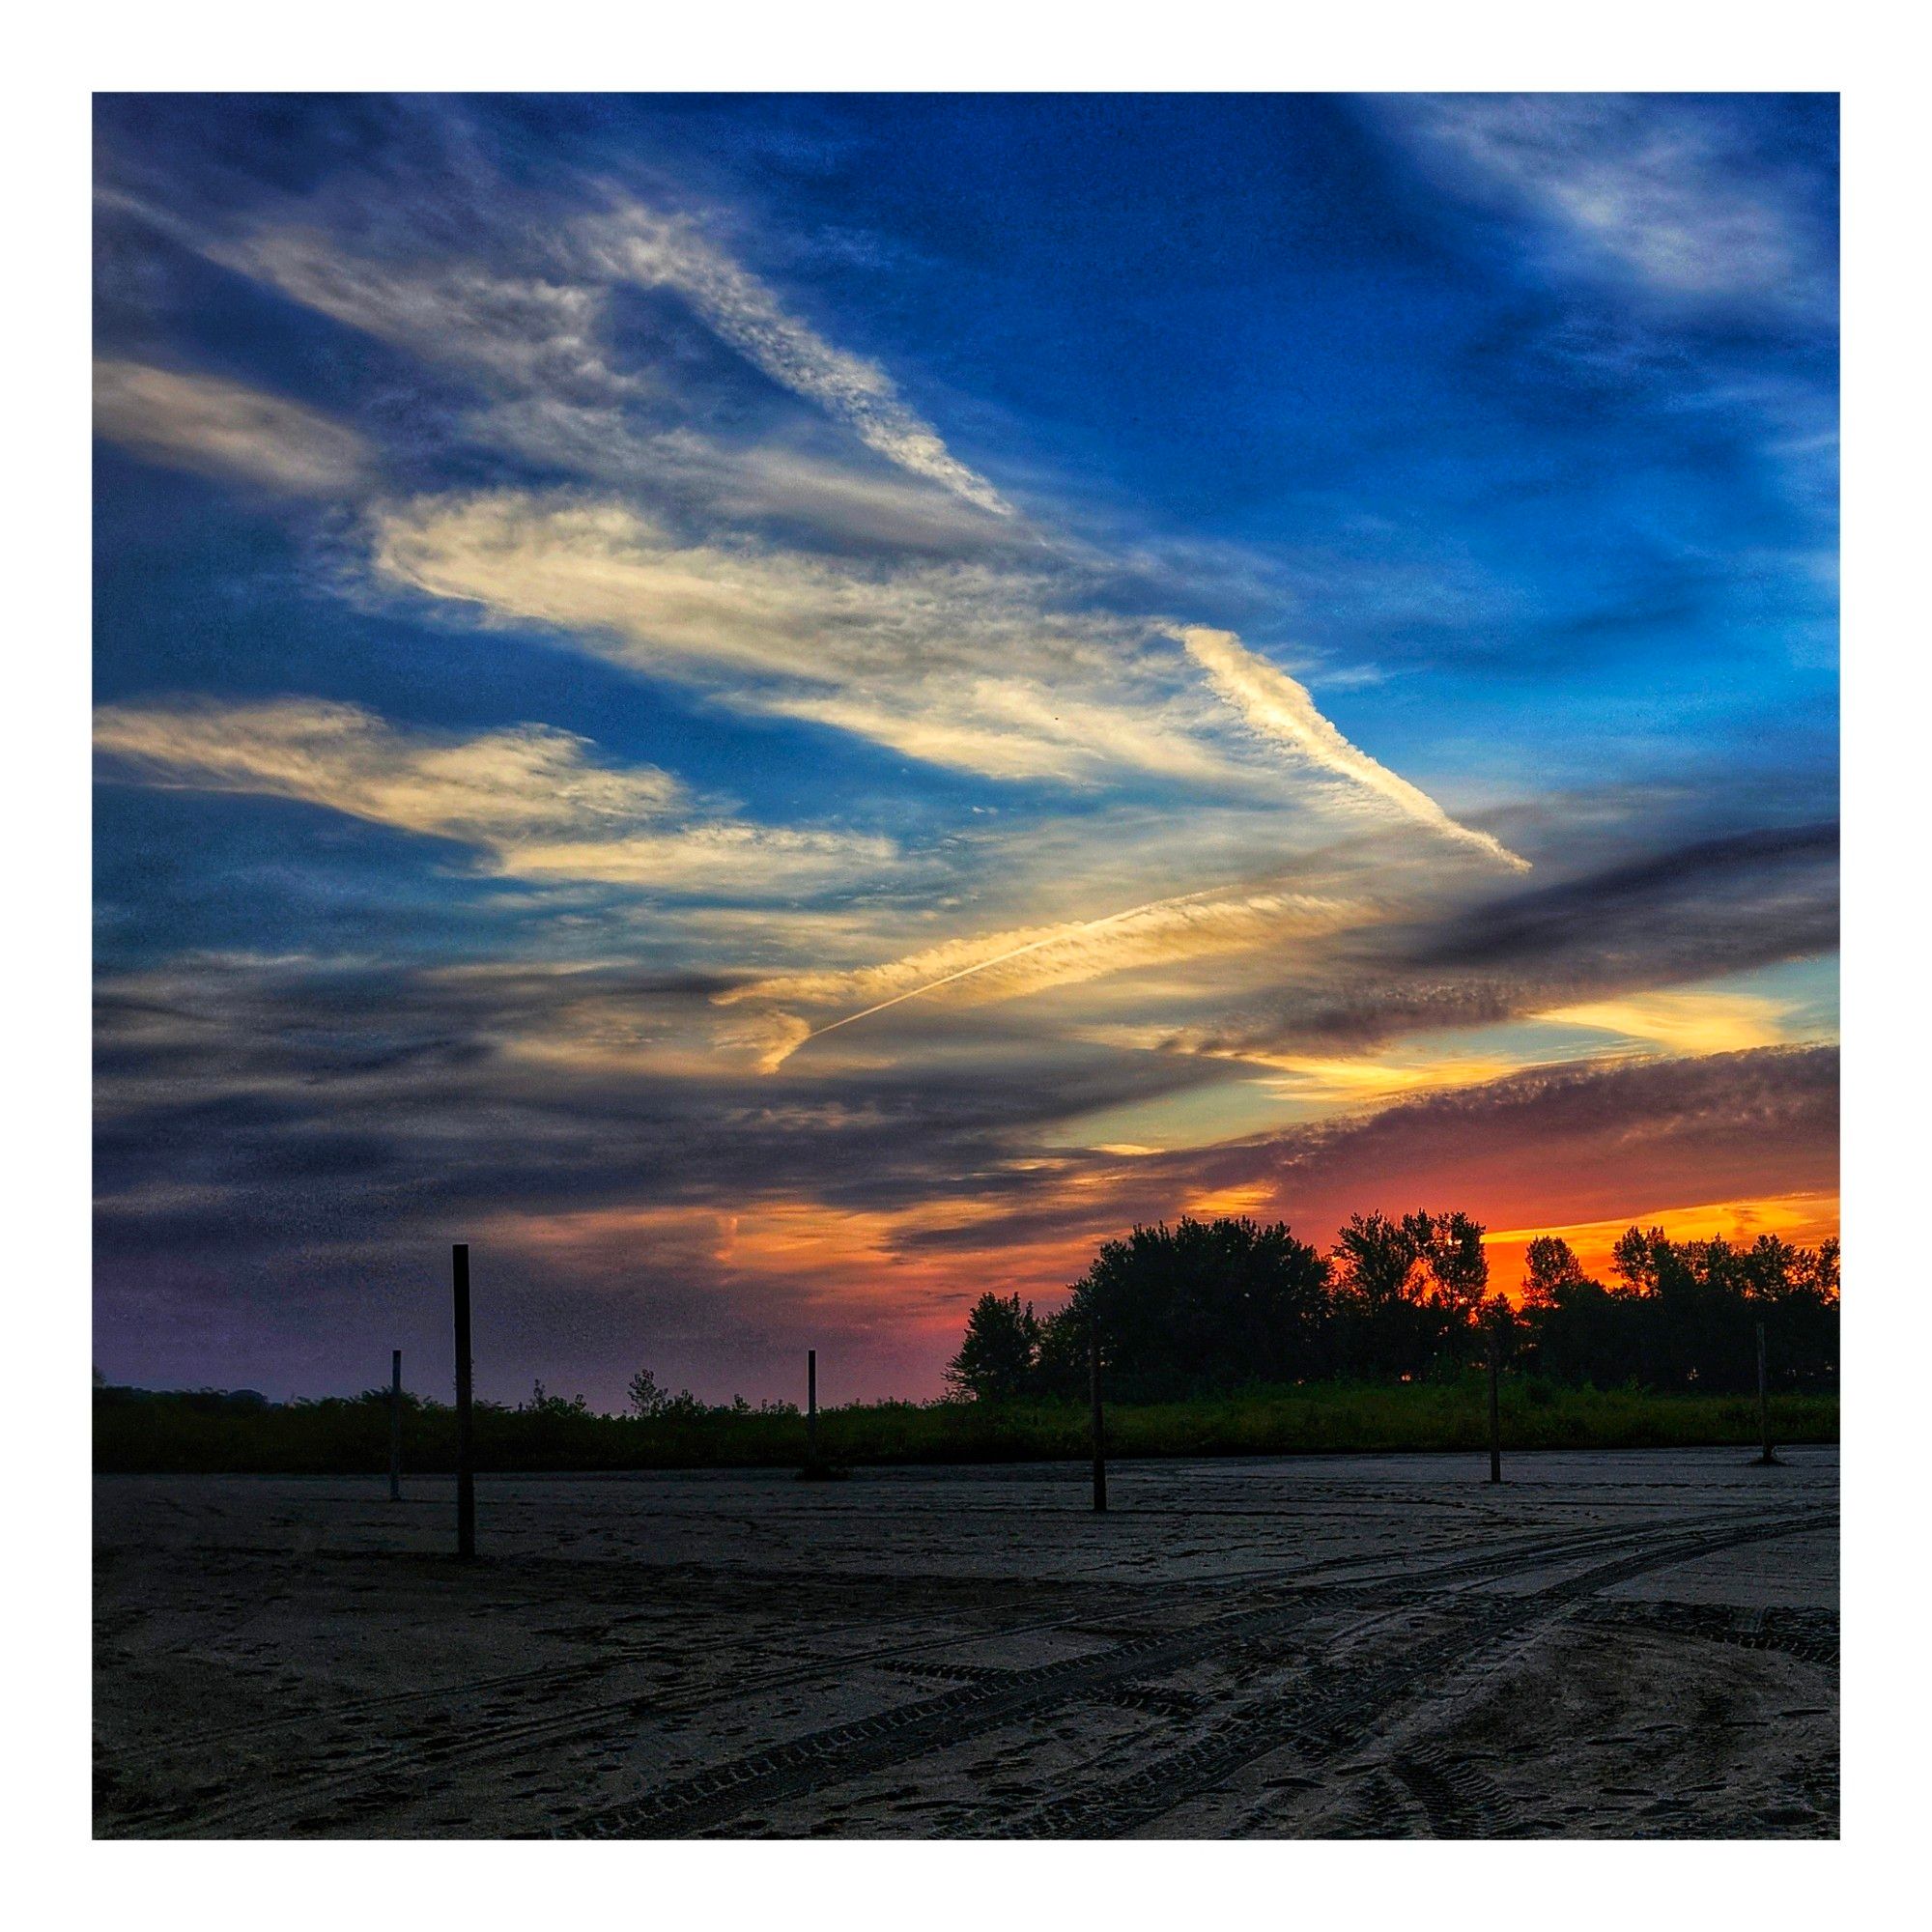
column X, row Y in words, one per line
column 1767, row 1459
column 811, row 1409
column 396, row 1426
column 1099, row 1420
column 465, row 1474
column 1495, row 1408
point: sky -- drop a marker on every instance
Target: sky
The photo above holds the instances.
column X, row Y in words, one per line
column 780, row 710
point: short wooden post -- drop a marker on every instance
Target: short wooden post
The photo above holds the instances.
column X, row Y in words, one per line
column 1100, row 1419
column 396, row 1426
column 1767, row 1459
column 1495, row 1407
column 811, row 1409
column 466, row 1474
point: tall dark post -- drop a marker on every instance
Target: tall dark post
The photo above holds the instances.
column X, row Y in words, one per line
column 1100, row 1421
column 811, row 1409
column 1767, row 1459
column 1495, row 1409
column 396, row 1426
column 465, row 1474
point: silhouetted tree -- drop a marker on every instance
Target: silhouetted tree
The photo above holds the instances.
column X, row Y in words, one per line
column 1683, row 1314
column 541, row 1402
column 1206, row 1306
column 1455, row 1260
column 1061, row 1366
column 1198, row 1306
column 1639, row 1259
column 1383, row 1326
column 996, row 1361
column 1377, row 1258
column 1548, row 1263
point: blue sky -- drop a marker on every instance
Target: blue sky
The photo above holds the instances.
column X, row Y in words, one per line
column 770, row 707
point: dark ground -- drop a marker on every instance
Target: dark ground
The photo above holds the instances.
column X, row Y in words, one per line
column 1640, row 1643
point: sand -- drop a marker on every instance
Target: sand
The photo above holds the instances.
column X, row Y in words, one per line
column 1639, row 1644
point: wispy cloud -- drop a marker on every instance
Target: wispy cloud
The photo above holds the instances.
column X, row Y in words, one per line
column 538, row 334
column 975, row 666
column 656, row 250
column 776, row 480
column 514, row 328
column 939, row 639
column 1374, row 1081
column 531, row 797
column 1652, row 187
column 1691, row 1020
column 984, row 666
column 207, row 423
column 1010, row 965
column 1279, row 708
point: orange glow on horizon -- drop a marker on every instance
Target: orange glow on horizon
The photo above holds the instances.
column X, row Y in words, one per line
column 805, row 1252
column 1802, row 1219
column 919, row 1269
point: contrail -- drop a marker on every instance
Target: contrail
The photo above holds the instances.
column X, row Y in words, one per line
column 1058, row 938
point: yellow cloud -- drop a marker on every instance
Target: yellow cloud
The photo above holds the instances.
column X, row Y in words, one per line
column 1346, row 1081
column 1686, row 1022
column 529, row 796
column 809, row 1250
column 1008, row 965
column 1231, row 1202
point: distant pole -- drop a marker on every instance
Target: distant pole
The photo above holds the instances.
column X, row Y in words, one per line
column 1100, row 1421
column 396, row 1426
column 1495, row 1409
column 811, row 1409
column 465, row 1474
column 1767, row 1459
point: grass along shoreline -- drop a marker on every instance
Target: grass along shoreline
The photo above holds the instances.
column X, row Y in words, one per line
column 188, row 1433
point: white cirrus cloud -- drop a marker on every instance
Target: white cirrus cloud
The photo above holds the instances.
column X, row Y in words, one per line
column 846, row 499
column 668, row 251
column 944, row 637
column 218, row 426
column 529, row 798
column 517, row 331
column 975, row 666
column 1279, row 709
column 981, row 666
column 1652, row 186
column 538, row 337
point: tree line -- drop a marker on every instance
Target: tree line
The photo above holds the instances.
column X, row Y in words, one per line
column 1206, row 1307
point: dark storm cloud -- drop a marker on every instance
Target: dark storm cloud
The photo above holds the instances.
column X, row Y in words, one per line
column 1573, row 1143
column 295, row 1294
column 1754, row 896
column 1695, row 911
column 242, row 1102
column 1550, row 1146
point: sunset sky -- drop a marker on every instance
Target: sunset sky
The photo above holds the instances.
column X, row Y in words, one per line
column 779, row 711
